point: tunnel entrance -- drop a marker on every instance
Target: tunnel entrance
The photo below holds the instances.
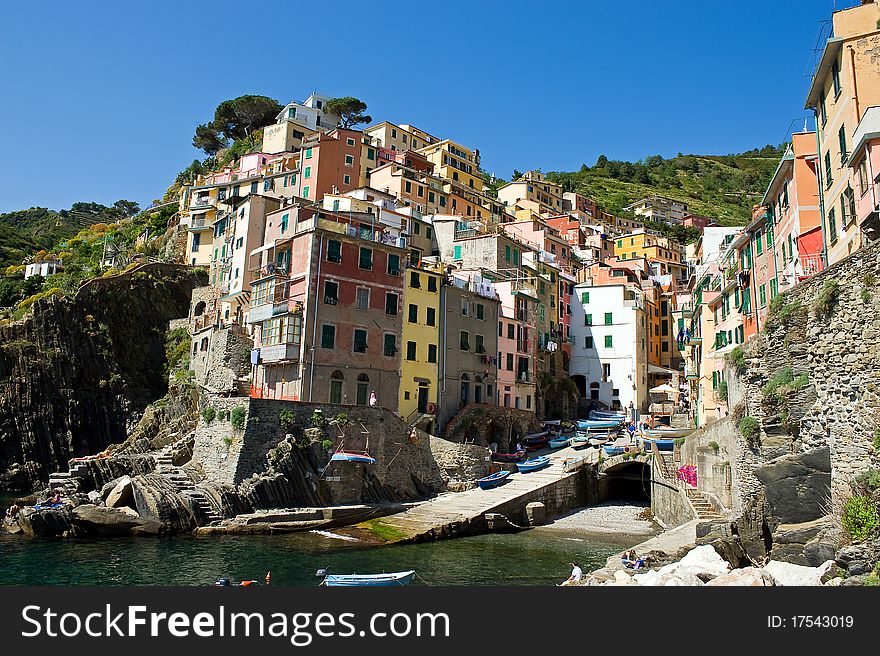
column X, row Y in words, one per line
column 630, row 481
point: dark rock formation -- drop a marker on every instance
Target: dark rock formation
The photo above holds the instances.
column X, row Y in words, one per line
column 76, row 374
column 797, row 486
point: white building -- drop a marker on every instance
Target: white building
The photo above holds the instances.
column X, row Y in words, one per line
column 296, row 122
column 45, row 269
column 659, row 208
column 609, row 356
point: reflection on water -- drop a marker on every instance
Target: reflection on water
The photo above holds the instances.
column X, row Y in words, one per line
column 537, row 557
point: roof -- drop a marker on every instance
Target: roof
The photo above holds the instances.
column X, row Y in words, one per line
column 787, row 157
column 829, row 56
column 869, row 128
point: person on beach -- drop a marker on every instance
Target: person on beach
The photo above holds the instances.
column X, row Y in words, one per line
column 373, row 398
column 56, row 498
column 12, row 511
column 576, row 575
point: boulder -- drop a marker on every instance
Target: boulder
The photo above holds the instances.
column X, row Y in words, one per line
column 747, row 576
column 682, row 576
column 731, row 550
column 788, row 574
column 797, row 486
column 112, row 522
column 45, row 522
column 704, row 562
column 859, row 559
column 536, row 513
column 122, row 494
column 622, row 578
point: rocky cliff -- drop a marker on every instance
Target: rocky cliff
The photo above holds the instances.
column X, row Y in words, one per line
column 76, row 374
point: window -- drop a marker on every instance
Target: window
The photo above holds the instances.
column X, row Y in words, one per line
column 432, row 284
column 308, row 153
column 336, row 383
column 464, row 307
column 307, row 173
column 331, row 292
column 510, row 331
column 608, row 319
column 284, row 220
column 510, row 362
column 197, row 240
column 832, row 225
column 480, row 344
column 588, row 342
column 346, row 179
column 349, row 160
column 762, row 295
column 480, row 311
column 365, row 261
column 431, row 316
column 393, row 267
column 609, row 341
column 835, row 78
column 410, row 350
column 464, row 343
column 432, row 353
column 848, row 206
column 390, row 303
column 306, row 192
column 349, row 141
column 415, row 280
column 823, row 113
column 863, row 176
column 456, row 253
column 328, row 336
column 774, row 289
column 828, row 177
column 389, row 346
column 413, row 313
column 585, row 297
column 759, row 242
column 360, row 340
column 362, row 298
column 588, row 319
column 841, row 139
column 407, row 186
column 507, row 253
column 371, row 153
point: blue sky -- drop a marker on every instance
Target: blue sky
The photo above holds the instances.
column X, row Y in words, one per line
column 101, row 98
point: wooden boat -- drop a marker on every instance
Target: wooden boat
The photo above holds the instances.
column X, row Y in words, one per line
column 536, row 441
column 663, row 444
column 347, row 580
column 614, row 449
column 581, row 438
column 348, row 456
column 533, row 464
column 594, row 424
column 493, row 480
column 559, row 442
column 600, row 415
column 509, row 457
column 599, row 440
column 669, row 432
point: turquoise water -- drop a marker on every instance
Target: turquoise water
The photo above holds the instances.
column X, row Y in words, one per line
column 536, row 557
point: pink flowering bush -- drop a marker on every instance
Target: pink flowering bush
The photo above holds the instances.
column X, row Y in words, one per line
column 688, row 474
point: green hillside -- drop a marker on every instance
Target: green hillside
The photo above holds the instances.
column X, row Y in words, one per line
column 720, row 186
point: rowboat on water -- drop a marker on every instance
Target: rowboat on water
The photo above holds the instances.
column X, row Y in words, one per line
column 493, row 480
column 533, row 464
column 349, row 456
column 559, row 442
column 509, row 457
column 347, row 580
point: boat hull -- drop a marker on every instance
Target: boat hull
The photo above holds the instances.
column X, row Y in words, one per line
column 559, row 443
column 375, row 580
column 669, row 432
column 493, row 480
column 508, row 457
column 533, row 465
column 592, row 424
column 342, row 456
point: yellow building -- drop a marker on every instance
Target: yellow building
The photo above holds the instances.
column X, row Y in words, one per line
column 534, row 187
column 454, row 162
column 665, row 256
column 420, row 346
column 198, row 209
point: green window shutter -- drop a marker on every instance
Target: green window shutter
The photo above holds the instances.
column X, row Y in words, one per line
column 507, row 253
column 588, row 320
column 456, row 253
column 609, row 341
column 608, row 319
column 585, row 297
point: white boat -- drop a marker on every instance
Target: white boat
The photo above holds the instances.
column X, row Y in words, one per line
column 669, row 432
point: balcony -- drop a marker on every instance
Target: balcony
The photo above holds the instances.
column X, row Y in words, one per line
column 269, row 270
column 279, row 353
column 199, row 224
column 524, row 345
column 202, row 201
column 811, row 265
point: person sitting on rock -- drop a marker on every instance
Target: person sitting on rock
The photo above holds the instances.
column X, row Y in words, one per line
column 56, row 499
column 576, row 575
column 12, row 511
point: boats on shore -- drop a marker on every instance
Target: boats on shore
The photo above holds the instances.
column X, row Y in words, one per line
column 493, row 480
column 598, row 424
column 509, row 457
column 600, row 415
column 535, row 441
column 617, row 449
column 663, row 444
column 350, row 456
column 533, row 464
column 668, row 432
column 349, row 580
column 559, row 442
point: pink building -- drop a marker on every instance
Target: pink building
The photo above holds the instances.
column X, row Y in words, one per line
column 865, row 165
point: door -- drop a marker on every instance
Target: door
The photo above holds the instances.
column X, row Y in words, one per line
column 423, row 398
column 362, row 392
column 335, row 391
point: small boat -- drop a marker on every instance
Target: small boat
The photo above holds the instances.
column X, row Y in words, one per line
column 559, row 442
column 347, row 580
column 599, row 415
column 581, row 438
column 509, row 457
column 533, row 464
column 669, row 432
column 666, row 444
column 594, row 424
column 599, row 439
column 535, row 441
column 348, row 456
column 493, row 480
column 551, row 422
column 615, row 449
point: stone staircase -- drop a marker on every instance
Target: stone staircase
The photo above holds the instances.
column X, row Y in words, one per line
column 701, row 505
column 185, row 485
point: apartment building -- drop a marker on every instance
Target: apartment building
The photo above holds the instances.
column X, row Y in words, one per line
column 666, row 256
column 533, row 186
column 398, row 137
column 864, row 163
column 331, row 162
column 659, row 208
column 846, row 82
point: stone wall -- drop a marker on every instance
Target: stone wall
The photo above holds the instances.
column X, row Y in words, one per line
column 482, row 424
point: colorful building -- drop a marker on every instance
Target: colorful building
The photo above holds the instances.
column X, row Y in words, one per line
column 533, row 186
column 864, row 164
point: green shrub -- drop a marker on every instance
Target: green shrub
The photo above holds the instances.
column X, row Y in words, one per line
column 869, row 480
column 286, row 418
column 877, row 440
column 208, row 414
column 783, row 383
column 860, row 518
column 227, row 440
column 722, row 390
column 714, row 446
column 748, row 428
column 326, row 445
column 827, row 298
column 342, row 419
column 236, row 417
column 318, row 420
column 780, row 312
column 866, row 296
column 679, row 441
column 737, row 359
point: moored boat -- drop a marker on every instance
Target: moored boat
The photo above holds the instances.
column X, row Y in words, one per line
column 533, row 464
column 535, row 441
column 493, row 480
column 615, row 449
column 600, row 415
column 663, row 444
column 559, row 442
column 598, row 424
column 509, row 457
column 389, row 579
column 669, row 432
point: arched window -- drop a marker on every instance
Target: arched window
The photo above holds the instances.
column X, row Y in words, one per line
column 363, row 389
column 199, row 309
column 337, row 380
column 594, row 391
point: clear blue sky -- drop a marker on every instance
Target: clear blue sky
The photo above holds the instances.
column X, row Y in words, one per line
column 100, row 99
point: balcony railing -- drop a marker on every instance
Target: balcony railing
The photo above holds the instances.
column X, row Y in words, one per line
column 199, row 223
column 202, row 201
column 268, row 270
column 812, row 264
column 279, row 353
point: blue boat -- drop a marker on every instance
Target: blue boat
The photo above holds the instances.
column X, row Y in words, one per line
column 601, row 415
column 597, row 424
column 559, row 442
column 614, row 450
column 662, row 444
column 580, row 439
column 493, row 480
column 533, row 464
column 348, row 456
column 347, row 580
